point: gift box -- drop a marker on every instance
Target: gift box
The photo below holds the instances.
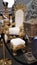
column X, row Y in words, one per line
column 30, row 27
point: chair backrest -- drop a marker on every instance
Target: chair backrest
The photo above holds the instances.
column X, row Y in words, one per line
column 19, row 11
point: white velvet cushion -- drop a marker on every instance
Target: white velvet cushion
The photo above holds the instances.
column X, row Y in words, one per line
column 19, row 17
column 14, row 31
column 17, row 42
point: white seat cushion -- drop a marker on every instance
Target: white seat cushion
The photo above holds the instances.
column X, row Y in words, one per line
column 14, row 31
column 17, row 42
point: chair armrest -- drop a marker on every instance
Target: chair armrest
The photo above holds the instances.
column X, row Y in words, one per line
column 13, row 24
column 22, row 33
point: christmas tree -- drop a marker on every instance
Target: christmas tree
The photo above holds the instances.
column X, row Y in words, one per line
column 32, row 12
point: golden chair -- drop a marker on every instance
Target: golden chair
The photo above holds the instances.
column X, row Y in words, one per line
column 19, row 13
column 18, row 30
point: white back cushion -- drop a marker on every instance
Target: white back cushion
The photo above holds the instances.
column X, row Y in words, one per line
column 19, row 17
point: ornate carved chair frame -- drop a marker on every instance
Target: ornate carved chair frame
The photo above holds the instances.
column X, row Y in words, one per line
column 20, row 7
column 16, row 8
column 23, row 9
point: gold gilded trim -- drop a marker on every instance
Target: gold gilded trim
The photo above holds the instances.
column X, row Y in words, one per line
column 20, row 6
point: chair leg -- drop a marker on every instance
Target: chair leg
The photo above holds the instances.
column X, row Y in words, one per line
column 23, row 50
column 14, row 53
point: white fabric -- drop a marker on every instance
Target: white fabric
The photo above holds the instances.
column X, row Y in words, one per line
column 17, row 41
column 19, row 17
column 14, row 31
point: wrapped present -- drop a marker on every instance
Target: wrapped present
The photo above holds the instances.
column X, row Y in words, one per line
column 31, row 27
